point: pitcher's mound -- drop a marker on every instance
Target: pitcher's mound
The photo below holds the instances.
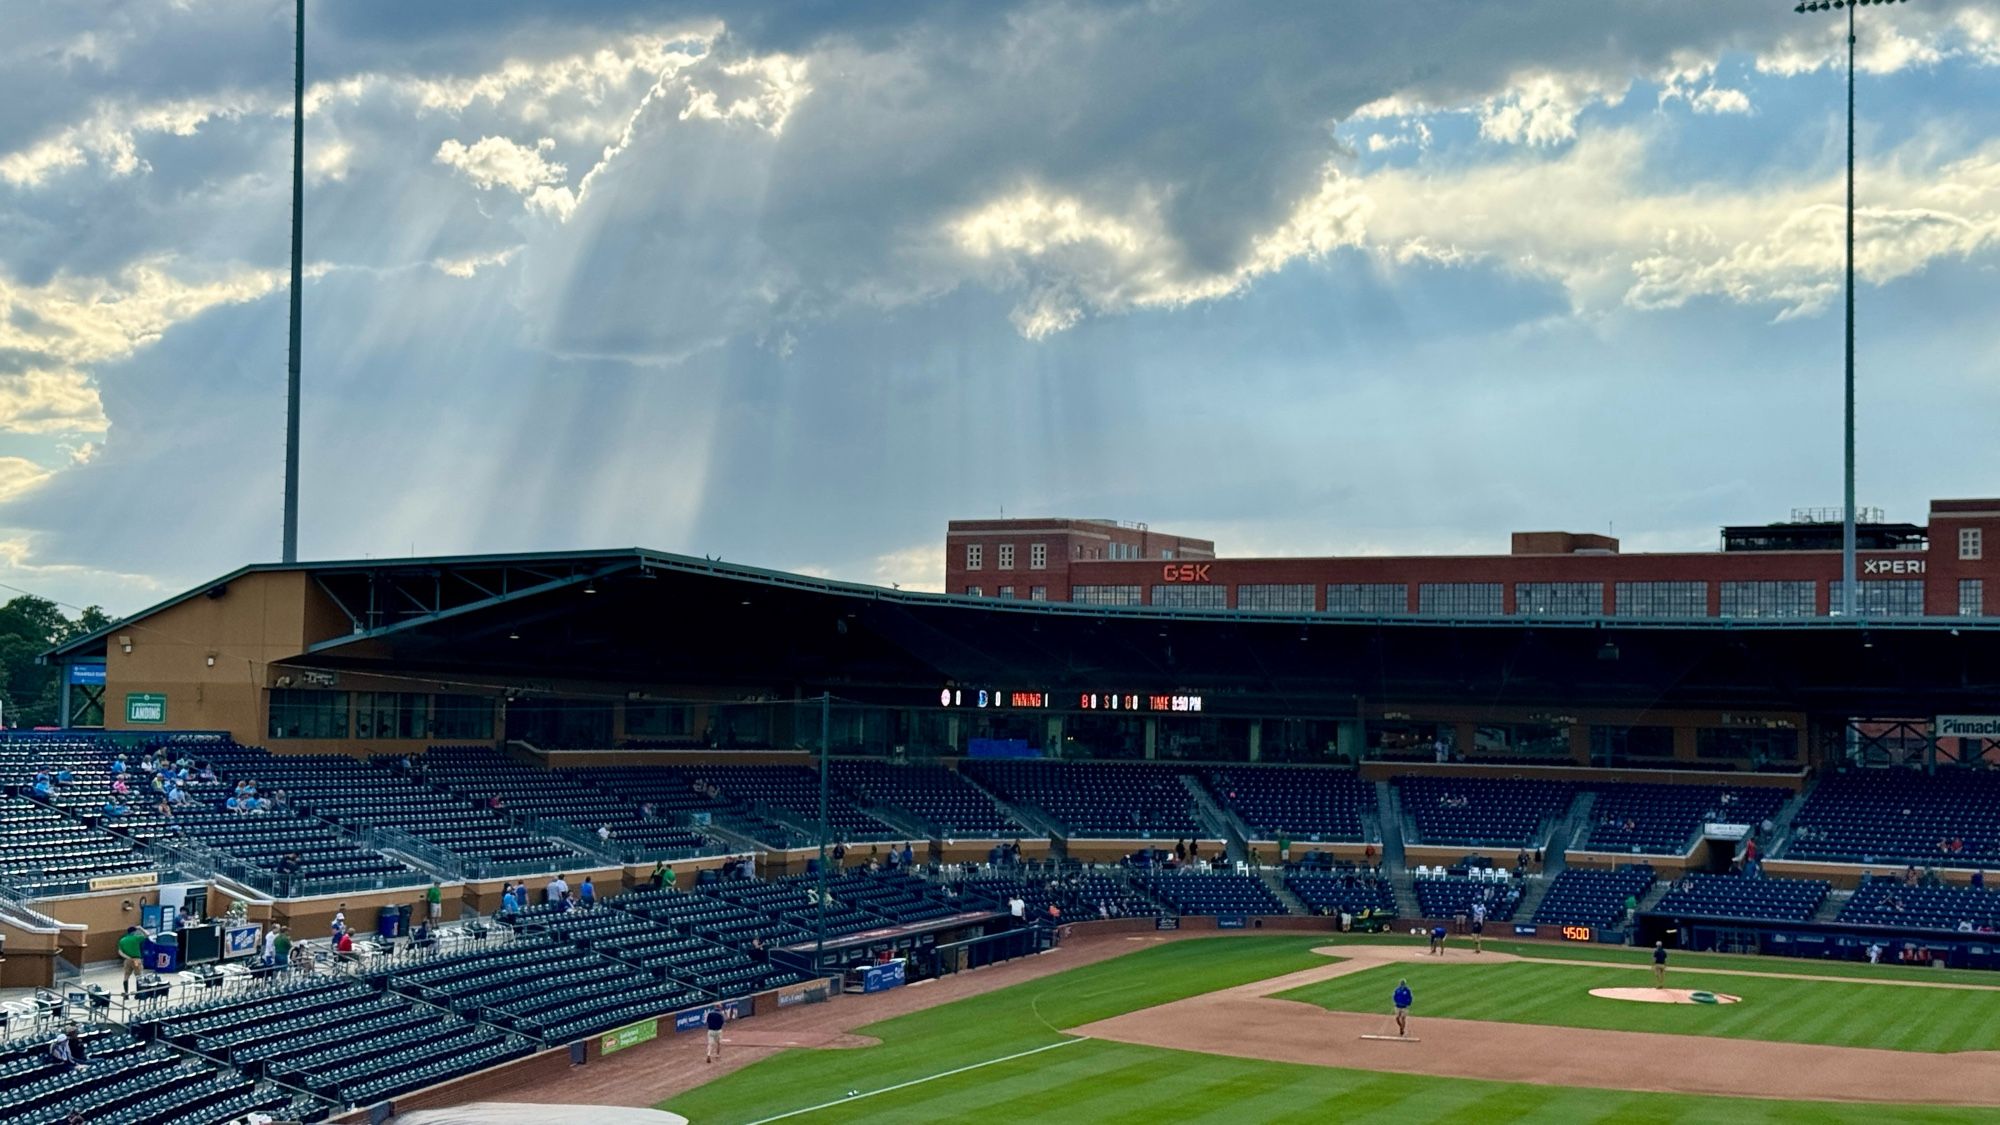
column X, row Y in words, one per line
column 1666, row 995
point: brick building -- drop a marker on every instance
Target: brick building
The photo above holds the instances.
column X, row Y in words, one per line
column 1788, row 569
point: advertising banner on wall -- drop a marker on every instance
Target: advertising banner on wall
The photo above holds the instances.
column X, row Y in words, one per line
column 880, row 978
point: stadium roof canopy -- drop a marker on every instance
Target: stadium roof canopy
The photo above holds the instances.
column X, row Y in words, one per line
column 632, row 617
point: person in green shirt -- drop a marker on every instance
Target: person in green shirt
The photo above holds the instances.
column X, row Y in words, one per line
column 435, row 896
column 1284, row 847
column 131, row 947
column 281, row 949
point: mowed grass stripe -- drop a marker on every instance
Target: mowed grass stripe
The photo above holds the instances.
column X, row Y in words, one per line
column 1775, row 1008
column 1738, row 962
column 1120, row 1083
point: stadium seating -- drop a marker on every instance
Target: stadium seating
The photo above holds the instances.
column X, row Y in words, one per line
column 1081, row 894
column 1201, row 892
column 1888, row 902
column 1885, row 816
column 479, row 772
column 1706, row 895
column 1663, row 819
column 44, row 852
column 674, row 796
column 1483, row 811
column 356, row 794
column 1592, row 898
column 1351, row 893
column 1306, row 804
column 1452, row 896
column 937, row 796
column 123, row 1079
column 793, row 791
column 1097, row 800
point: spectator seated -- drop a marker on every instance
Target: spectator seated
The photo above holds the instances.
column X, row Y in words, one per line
column 1706, row 895
column 1452, row 896
column 1664, row 819
column 1082, row 895
column 1483, row 811
column 1890, row 902
column 1902, row 817
column 1593, row 898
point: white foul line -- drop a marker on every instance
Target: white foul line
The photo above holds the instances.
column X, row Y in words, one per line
column 919, row 1081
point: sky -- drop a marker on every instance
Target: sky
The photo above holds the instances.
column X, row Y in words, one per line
column 793, row 284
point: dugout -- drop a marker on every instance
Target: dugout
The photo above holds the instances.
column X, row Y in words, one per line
column 1821, row 941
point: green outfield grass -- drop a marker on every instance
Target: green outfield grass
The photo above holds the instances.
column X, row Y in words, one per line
column 1837, row 1013
column 1091, row 1081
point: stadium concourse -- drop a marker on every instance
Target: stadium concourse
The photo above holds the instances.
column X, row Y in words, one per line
column 399, row 834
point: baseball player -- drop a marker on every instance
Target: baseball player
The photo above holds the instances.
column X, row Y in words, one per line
column 1437, row 939
column 1659, row 965
column 1402, row 1000
column 1478, row 926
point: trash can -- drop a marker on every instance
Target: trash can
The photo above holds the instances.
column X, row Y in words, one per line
column 392, row 922
column 162, row 953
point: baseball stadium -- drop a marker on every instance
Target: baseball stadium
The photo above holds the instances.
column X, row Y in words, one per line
column 506, row 837
column 1109, row 828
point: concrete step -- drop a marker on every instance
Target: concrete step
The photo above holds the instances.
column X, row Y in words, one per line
column 1389, row 811
column 1830, row 909
column 1274, row 878
column 1218, row 821
column 1406, row 895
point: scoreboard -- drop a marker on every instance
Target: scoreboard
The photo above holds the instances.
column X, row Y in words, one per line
column 1010, row 699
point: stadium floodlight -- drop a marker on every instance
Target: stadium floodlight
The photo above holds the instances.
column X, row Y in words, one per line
column 291, row 536
column 1849, row 592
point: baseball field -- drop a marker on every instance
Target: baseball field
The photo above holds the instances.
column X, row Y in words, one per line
column 1283, row 1028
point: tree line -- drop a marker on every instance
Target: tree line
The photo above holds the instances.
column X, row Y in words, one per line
column 30, row 626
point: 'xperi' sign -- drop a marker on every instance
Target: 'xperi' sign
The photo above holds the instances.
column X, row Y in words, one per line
column 1892, row 566
column 1184, row 572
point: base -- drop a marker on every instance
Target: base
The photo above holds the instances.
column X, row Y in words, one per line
column 1394, row 1038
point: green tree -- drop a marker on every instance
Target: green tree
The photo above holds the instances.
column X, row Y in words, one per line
column 30, row 626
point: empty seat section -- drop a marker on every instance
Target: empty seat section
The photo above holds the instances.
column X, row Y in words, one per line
column 1891, row 902
column 934, row 795
column 480, row 773
column 1592, row 898
column 1707, row 895
column 1189, row 892
column 1487, row 812
column 1349, row 893
column 1304, row 803
column 1896, row 816
column 1664, row 819
column 1104, row 800
column 1452, row 896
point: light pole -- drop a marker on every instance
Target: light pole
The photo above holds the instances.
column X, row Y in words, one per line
column 291, row 546
column 1849, row 594
column 819, row 927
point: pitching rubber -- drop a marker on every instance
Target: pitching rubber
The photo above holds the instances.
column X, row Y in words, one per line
column 1394, row 1038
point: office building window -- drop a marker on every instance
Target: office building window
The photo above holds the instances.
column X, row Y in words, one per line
column 471, row 716
column 1038, row 556
column 303, row 713
column 1971, row 543
column 1104, row 595
column 1460, row 599
column 1559, row 599
column 1769, row 599
column 1038, row 593
column 1004, row 592
column 1892, row 597
column 1368, row 597
column 390, row 714
column 1166, row 552
column 975, row 591
column 1275, row 599
column 1186, row 595
column 1006, row 559
column 975, row 556
column 1660, row 599
column 1971, row 597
